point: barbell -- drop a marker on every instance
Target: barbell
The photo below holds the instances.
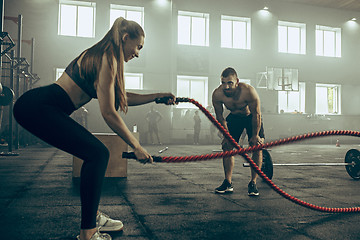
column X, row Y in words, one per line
column 351, row 163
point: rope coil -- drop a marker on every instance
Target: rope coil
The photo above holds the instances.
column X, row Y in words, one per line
column 243, row 152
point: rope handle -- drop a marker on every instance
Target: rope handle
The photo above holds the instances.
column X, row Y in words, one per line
column 131, row 155
column 164, row 100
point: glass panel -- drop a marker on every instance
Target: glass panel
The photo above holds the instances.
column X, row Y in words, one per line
column 319, row 43
column 293, row 40
column 198, row 31
column 226, row 34
column 321, row 100
column 282, row 38
column 282, row 101
column 184, row 30
column 85, row 21
column 239, row 37
column 331, row 100
column 132, row 82
column 302, row 96
column 183, row 88
column 329, row 43
column 338, row 44
column 135, row 16
column 68, row 20
column 197, row 91
column 293, row 101
column 114, row 14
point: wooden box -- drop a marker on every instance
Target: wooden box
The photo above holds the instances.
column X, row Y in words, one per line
column 117, row 166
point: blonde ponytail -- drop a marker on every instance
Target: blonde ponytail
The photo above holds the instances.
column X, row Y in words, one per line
column 112, row 46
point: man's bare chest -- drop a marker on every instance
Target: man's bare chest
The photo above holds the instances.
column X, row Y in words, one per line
column 235, row 104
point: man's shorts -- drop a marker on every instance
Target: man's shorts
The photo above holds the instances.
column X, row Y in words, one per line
column 237, row 123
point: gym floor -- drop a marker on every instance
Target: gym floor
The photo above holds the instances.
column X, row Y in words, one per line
column 39, row 199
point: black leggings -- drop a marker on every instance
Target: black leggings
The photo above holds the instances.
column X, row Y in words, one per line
column 44, row 112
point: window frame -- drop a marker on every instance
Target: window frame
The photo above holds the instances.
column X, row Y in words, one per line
column 302, row 37
column 127, row 8
column 141, row 80
column 204, row 79
column 192, row 15
column 77, row 4
column 336, row 102
column 246, row 38
column 337, row 41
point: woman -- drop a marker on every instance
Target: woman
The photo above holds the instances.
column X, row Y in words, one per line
column 98, row 72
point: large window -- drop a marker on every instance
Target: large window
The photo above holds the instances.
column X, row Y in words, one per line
column 235, row 32
column 192, row 87
column 128, row 12
column 292, row 101
column 76, row 18
column 328, row 41
column 193, row 28
column 292, row 37
column 133, row 81
column 328, row 99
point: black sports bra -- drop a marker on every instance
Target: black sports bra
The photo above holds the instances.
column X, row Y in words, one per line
column 87, row 85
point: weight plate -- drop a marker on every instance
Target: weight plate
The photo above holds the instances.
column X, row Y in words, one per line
column 353, row 156
column 6, row 96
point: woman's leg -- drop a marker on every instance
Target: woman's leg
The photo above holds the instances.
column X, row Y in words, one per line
column 55, row 127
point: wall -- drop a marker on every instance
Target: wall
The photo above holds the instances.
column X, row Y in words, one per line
column 162, row 58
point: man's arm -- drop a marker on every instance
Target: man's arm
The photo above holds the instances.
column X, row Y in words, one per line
column 219, row 109
column 254, row 107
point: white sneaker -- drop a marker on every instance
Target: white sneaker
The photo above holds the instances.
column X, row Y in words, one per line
column 98, row 236
column 105, row 224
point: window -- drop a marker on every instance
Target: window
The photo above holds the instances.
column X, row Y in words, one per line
column 128, row 12
column 76, row 18
column 235, row 32
column 247, row 81
column 328, row 41
column 292, row 101
column 58, row 73
column 328, row 99
column 193, row 28
column 133, row 80
column 292, row 37
column 192, row 87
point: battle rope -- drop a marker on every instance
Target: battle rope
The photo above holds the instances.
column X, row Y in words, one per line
column 242, row 151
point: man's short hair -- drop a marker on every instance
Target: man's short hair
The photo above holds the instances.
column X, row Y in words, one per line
column 228, row 71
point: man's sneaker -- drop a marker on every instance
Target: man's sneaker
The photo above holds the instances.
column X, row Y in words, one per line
column 226, row 187
column 252, row 189
column 98, row 236
column 105, row 224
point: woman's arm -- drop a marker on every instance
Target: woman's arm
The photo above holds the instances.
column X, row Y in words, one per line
column 106, row 96
column 135, row 99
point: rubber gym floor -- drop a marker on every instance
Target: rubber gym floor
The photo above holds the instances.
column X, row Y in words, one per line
column 39, row 199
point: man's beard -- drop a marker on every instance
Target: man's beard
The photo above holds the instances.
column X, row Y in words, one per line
column 229, row 93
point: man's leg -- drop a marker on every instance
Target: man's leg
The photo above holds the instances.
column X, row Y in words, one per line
column 257, row 157
column 228, row 165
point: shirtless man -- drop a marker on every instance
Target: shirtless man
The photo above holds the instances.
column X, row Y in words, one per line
column 244, row 104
